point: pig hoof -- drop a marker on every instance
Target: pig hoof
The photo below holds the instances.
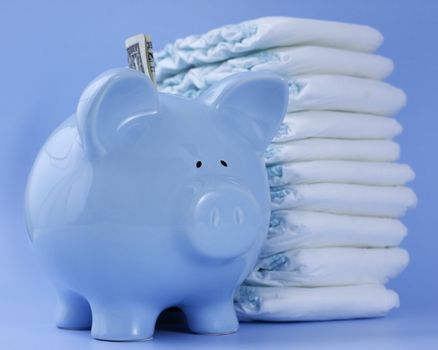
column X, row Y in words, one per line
column 123, row 323
column 73, row 311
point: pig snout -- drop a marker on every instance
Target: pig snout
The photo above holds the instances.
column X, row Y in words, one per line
column 224, row 220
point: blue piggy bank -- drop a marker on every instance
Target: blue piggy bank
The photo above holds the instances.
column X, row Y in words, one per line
column 142, row 201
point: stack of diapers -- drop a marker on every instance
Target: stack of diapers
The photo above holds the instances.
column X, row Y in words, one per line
column 337, row 190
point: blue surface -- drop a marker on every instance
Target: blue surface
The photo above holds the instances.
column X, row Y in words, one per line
column 35, row 330
column 50, row 50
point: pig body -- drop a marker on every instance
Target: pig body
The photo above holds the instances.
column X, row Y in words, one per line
column 142, row 201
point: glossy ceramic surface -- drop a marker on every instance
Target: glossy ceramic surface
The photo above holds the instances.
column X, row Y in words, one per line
column 142, row 201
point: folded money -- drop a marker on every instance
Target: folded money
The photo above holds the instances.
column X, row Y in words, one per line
column 334, row 149
column 236, row 39
column 340, row 171
column 319, row 267
column 331, row 124
column 140, row 54
column 287, row 62
column 291, row 229
column 313, row 304
column 383, row 201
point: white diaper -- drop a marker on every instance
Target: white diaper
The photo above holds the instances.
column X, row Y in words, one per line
column 236, row 39
column 340, row 171
column 342, row 125
column 319, row 267
column 332, row 92
column 332, row 149
column 384, row 201
column 287, row 62
column 290, row 229
column 342, row 93
column 313, row 304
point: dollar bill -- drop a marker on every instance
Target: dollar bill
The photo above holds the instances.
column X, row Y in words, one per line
column 150, row 58
column 140, row 54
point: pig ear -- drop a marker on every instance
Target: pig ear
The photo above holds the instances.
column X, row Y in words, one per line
column 254, row 104
column 116, row 103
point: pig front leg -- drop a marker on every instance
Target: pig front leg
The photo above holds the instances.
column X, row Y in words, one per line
column 123, row 321
column 73, row 311
column 207, row 317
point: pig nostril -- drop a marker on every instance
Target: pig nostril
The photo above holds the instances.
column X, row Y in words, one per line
column 215, row 217
column 238, row 215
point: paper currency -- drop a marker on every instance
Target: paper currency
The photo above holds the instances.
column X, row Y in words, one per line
column 140, row 54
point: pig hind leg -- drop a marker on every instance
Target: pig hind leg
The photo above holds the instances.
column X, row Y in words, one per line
column 73, row 311
column 212, row 318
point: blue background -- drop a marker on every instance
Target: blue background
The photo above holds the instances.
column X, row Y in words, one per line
column 50, row 50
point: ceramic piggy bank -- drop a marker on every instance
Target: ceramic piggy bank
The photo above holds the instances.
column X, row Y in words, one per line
column 142, row 201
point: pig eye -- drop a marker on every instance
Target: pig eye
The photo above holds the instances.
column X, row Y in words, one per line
column 224, row 163
column 198, row 164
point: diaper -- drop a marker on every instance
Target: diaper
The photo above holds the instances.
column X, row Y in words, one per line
column 289, row 229
column 385, row 201
column 313, row 304
column 287, row 62
column 340, row 171
column 342, row 93
column 342, row 125
column 319, row 267
column 236, row 39
column 332, row 149
column 332, row 92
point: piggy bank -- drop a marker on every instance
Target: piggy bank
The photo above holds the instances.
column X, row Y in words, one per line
column 141, row 201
